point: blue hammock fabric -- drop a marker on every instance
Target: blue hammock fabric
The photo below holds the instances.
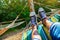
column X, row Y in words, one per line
column 57, row 16
column 27, row 35
column 41, row 31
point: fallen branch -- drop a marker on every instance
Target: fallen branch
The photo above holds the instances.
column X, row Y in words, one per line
column 11, row 21
column 15, row 25
column 10, row 25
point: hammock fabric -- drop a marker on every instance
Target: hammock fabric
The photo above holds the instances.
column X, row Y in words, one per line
column 42, row 30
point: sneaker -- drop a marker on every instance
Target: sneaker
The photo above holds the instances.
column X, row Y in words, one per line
column 42, row 14
column 33, row 18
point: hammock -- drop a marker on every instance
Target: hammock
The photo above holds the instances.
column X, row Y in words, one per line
column 43, row 31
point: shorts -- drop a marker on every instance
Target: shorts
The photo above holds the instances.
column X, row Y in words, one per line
column 55, row 31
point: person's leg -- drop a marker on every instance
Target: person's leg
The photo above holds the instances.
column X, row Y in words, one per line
column 35, row 35
column 58, row 11
column 44, row 18
column 47, row 23
column 53, row 27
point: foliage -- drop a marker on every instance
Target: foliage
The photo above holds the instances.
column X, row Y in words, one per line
column 9, row 9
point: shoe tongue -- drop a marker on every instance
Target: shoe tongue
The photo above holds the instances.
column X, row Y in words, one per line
column 32, row 13
column 41, row 9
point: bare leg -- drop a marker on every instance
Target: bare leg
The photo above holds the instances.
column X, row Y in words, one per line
column 44, row 19
column 54, row 29
column 35, row 35
column 58, row 11
column 47, row 23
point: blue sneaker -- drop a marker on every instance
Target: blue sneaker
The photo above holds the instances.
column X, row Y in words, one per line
column 33, row 18
column 42, row 14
